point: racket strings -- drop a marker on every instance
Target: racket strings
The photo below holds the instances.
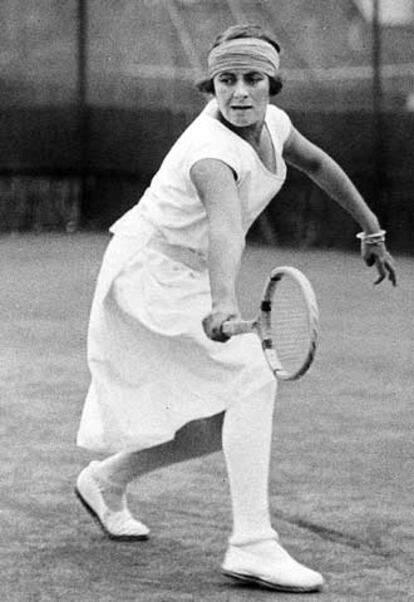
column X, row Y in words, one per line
column 289, row 325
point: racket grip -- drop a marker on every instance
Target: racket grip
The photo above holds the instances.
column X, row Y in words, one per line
column 235, row 327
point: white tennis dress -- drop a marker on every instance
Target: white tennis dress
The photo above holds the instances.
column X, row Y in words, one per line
column 153, row 368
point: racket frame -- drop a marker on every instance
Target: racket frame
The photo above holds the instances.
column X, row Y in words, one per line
column 262, row 324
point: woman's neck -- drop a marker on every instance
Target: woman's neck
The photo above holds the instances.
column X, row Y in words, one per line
column 251, row 133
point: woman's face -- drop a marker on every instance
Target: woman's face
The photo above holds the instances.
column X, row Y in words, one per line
column 242, row 96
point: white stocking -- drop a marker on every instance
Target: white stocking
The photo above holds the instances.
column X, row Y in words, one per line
column 247, row 435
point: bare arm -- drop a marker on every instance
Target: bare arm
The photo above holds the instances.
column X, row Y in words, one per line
column 328, row 175
column 215, row 184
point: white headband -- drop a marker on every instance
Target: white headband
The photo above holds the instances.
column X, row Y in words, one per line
column 243, row 53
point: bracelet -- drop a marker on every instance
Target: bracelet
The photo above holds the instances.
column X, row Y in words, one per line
column 372, row 239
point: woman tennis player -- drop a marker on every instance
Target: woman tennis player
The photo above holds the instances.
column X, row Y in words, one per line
column 167, row 384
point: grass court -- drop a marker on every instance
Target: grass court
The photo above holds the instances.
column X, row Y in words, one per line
column 342, row 485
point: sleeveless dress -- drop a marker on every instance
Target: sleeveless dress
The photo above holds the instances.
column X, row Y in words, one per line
column 152, row 367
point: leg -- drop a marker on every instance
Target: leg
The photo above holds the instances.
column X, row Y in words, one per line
column 101, row 486
column 247, row 434
column 254, row 553
column 195, row 439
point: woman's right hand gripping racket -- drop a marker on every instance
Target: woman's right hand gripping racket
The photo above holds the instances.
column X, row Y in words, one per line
column 287, row 324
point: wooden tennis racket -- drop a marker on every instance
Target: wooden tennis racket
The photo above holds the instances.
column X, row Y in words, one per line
column 287, row 324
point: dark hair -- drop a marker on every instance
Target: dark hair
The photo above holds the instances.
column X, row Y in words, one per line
column 235, row 32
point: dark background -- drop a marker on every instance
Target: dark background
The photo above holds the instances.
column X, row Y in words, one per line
column 93, row 94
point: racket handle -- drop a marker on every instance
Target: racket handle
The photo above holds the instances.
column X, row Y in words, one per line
column 234, row 327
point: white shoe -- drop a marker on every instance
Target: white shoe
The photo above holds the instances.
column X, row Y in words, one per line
column 269, row 565
column 119, row 524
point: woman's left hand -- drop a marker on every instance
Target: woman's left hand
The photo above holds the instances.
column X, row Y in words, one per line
column 377, row 254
